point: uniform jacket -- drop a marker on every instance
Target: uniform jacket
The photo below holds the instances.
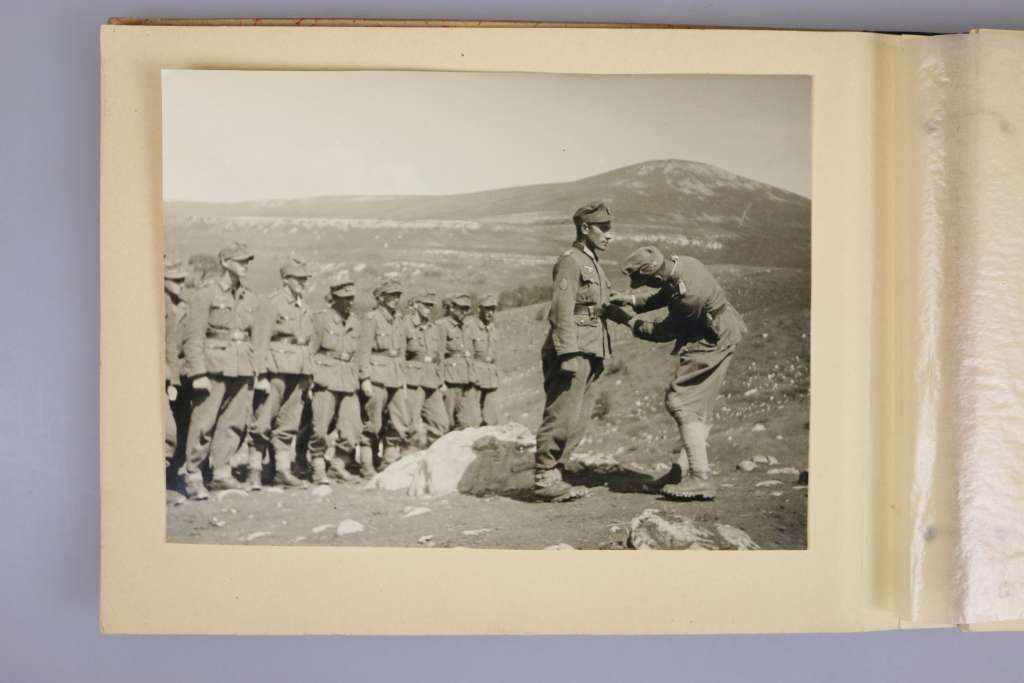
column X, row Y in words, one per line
column 424, row 353
column 283, row 329
column 336, row 362
column 580, row 289
column 174, row 314
column 382, row 343
column 700, row 317
column 484, row 339
column 219, row 331
column 458, row 351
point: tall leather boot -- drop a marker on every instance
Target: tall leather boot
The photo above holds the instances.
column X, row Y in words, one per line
column 365, row 454
column 193, row 484
column 320, row 472
column 254, row 481
column 283, row 471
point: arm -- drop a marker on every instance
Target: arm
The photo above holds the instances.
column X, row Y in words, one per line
column 170, row 345
column 195, row 333
column 261, row 329
column 563, row 304
column 650, row 302
column 665, row 330
column 367, row 334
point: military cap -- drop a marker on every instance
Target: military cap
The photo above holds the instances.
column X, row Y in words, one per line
column 341, row 286
column 488, row 301
column 643, row 261
column 461, row 300
column 174, row 270
column 296, row 267
column 429, row 298
column 594, row 212
column 237, row 251
column 388, row 287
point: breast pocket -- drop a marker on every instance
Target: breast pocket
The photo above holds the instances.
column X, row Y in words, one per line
column 221, row 315
column 589, row 290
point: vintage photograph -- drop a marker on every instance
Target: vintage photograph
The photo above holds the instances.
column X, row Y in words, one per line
column 487, row 310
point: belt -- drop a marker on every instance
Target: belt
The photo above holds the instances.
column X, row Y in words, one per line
column 339, row 355
column 391, row 353
column 423, row 359
column 228, row 335
column 589, row 309
column 289, row 341
column 460, row 354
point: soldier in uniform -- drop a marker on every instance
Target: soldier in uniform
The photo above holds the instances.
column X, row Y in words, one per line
column 174, row 311
column 424, row 372
column 383, row 344
column 219, row 359
column 485, row 339
column 705, row 329
column 574, row 351
column 461, row 397
column 337, row 367
column 283, row 330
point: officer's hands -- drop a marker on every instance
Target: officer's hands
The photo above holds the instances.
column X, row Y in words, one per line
column 616, row 314
column 172, row 393
column 620, row 299
column 570, row 366
column 201, row 383
column 367, row 387
column 263, row 385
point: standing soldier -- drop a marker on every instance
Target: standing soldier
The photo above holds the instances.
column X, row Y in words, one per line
column 705, row 328
column 383, row 343
column 461, row 397
column 174, row 312
column 574, row 352
column 220, row 361
column 484, row 335
column 424, row 372
column 337, row 368
column 283, row 330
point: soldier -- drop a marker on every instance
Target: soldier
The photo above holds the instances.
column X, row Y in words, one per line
column 424, row 372
column 283, row 330
column 461, row 397
column 383, row 343
column 337, row 368
column 574, row 352
column 174, row 312
column 484, row 335
column 219, row 359
column 705, row 328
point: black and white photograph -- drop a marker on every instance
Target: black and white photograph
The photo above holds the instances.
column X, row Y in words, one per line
column 487, row 310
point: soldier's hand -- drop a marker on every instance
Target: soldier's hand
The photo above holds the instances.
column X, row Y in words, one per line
column 172, row 393
column 263, row 385
column 367, row 387
column 443, row 388
column 616, row 314
column 570, row 366
column 201, row 383
column 620, row 299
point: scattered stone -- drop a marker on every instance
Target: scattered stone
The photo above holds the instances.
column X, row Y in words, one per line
column 257, row 534
column 284, row 522
column 737, row 538
column 785, row 470
column 233, row 511
column 217, row 522
column 221, row 495
column 280, row 505
column 322, row 528
column 761, row 459
column 772, row 460
column 560, row 546
column 746, row 466
column 759, row 427
column 776, row 493
column 348, row 526
column 750, row 392
column 651, row 531
column 475, row 532
column 426, row 540
column 298, row 539
column 800, row 487
column 273, row 489
column 769, row 482
column 778, row 437
column 414, row 512
column 175, row 498
column 320, row 491
column 803, row 479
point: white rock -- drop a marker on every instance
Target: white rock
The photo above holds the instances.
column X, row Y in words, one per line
column 298, row 539
column 769, row 482
column 415, row 512
column 746, row 466
column 257, row 534
column 475, row 532
column 322, row 528
column 737, row 538
column 800, row 487
column 759, row 427
column 649, row 531
column 761, row 459
column 221, row 495
column 175, row 498
column 772, row 460
column 320, row 491
column 348, row 526
column 560, row 546
column 785, row 470
column 750, row 392
column 776, row 493
column 217, row 522
column 425, row 540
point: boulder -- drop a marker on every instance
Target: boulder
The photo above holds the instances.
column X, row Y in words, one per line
column 560, row 546
column 651, row 531
column 746, row 466
column 348, row 526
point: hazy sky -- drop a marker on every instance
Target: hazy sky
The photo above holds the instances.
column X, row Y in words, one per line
column 233, row 135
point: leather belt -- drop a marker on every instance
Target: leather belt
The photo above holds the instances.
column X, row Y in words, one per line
column 391, row 353
column 460, row 354
column 589, row 309
column 228, row 335
column 345, row 357
column 289, row 341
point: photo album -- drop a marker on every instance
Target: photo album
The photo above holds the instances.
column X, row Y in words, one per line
column 729, row 320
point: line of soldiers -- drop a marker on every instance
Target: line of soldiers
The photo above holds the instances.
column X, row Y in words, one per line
column 376, row 385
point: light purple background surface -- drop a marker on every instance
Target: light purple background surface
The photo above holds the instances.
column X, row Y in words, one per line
column 49, row 507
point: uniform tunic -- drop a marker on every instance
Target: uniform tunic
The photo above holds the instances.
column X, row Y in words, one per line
column 174, row 313
column 705, row 328
column 462, row 398
column 424, row 375
column 283, row 329
column 580, row 290
column 337, row 369
column 485, row 344
column 218, row 345
column 382, row 343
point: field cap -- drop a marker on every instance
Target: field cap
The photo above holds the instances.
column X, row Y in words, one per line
column 388, row 287
column 341, row 285
column 461, row 300
column 174, row 270
column 236, row 251
column 488, row 301
column 428, row 298
column 594, row 212
column 296, row 267
column 643, row 261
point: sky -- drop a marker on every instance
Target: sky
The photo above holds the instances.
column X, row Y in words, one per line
column 239, row 135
